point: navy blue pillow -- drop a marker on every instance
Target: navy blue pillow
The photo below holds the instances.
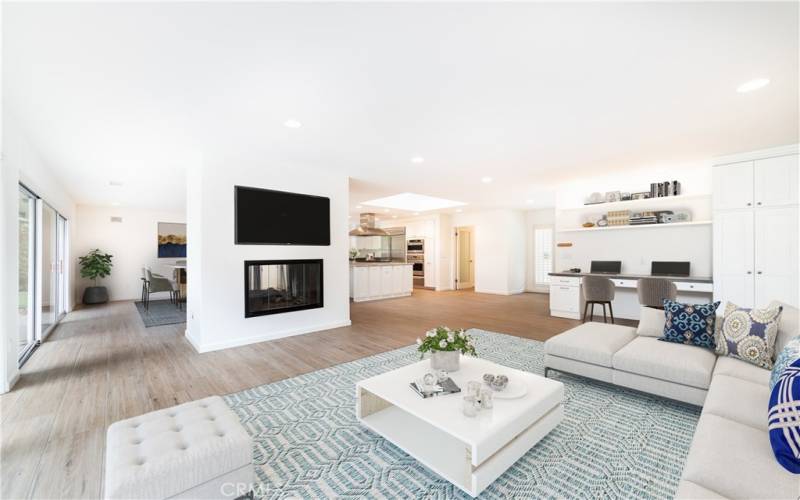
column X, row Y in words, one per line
column 784, row 418
column 691, row 324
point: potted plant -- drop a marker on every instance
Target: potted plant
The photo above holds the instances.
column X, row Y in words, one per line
column 446, row 347
column 94, row 265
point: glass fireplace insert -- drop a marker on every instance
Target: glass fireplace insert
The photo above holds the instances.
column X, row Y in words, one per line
column 279, row 286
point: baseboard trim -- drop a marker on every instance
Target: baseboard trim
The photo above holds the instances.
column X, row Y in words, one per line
column 500, row 292
column 11, row 383
column 218, row 346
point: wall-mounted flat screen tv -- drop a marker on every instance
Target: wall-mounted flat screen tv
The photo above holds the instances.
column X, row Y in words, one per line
column 267, row 217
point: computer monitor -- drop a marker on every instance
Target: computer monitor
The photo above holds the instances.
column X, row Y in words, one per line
column 606, row 266
column 668, row 268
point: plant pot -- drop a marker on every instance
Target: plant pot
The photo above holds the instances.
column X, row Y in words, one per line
column 448, row 361
column 95, row 295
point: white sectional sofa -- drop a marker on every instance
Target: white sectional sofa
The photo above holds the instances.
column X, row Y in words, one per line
column 730, row 456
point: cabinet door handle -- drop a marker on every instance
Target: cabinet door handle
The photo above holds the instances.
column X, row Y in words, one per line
column 758, row 272
column 758, row 203
column 749, row 272
column 749, row 204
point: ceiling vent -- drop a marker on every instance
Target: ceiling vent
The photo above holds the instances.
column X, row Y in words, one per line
column 116, row 219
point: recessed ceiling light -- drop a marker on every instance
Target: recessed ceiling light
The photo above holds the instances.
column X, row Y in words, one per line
column 486, row 180
column 752, row 85
column 292, row 124
column 413, row 202
column 114, row 203
column 459, row 210
column 528, row 201
column 385, row 209
column 416, row 213
column 417, row 159
column 358, row 206
column 394, row 216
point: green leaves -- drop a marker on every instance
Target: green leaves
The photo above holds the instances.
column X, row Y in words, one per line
column 443, row 338
column 95, row 265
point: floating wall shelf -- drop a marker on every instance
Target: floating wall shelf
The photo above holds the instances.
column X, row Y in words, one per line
column 642, row 226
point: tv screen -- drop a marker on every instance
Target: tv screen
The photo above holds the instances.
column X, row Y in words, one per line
column 267, row 217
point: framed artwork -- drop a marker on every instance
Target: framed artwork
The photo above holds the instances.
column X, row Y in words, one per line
column 171, row 240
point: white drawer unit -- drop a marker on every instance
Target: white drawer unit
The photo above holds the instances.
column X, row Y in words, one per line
column 565, row 297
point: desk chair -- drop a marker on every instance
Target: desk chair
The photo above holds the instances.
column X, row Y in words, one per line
column 653, row 291
column 598, row 290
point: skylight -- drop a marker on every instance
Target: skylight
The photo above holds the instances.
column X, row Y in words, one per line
column 413, row 202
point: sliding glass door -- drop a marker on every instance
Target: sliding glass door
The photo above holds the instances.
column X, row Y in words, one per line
column 49, row 302
column 43, row 284
column 26, row 319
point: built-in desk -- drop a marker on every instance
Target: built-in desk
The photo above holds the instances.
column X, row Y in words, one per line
column 566, row 300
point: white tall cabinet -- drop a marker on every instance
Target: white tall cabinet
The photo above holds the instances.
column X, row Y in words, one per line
column 755, row 204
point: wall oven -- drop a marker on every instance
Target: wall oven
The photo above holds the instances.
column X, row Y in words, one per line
column 416, row 246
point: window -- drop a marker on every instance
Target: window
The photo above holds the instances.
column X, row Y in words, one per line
column 543, row 254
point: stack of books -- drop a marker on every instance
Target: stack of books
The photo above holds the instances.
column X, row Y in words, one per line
column 640, row 218
column 619, row 217
column 443, row 388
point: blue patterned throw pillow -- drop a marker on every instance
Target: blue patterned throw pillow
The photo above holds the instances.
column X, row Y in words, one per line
column 784, row 418
column 749, row 334
column 691, row 324
column 787, row 356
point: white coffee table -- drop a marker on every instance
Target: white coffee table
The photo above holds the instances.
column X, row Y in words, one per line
column 469, row 452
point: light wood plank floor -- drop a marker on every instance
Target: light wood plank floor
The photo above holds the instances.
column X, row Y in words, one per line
column 101, row 365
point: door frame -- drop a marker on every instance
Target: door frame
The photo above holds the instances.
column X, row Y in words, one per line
column 471, row 284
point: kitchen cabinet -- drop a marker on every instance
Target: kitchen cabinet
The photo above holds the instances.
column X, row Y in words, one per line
column 380, row 281
column 755, row 231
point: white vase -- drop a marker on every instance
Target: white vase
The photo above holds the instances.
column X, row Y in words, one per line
column 445, row 360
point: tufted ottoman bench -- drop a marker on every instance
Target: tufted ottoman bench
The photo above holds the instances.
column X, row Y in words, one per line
column 194, row 450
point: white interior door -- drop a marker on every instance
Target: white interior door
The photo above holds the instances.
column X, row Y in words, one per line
column 733, row 257
column 733, row 186
column 465, row 249
column 775, row 181
column 776, row 256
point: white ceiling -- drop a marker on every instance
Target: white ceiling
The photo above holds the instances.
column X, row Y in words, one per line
column 529, row 94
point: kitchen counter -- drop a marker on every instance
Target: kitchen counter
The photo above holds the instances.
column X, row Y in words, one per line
column 685, row 279
column 380, row 280
column 377, row 264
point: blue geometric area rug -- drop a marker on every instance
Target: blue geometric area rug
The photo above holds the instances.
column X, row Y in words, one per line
column 612, row 443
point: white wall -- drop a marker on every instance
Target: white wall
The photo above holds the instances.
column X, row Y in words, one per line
column 133, row 243
column 636, row 248
column 499, row 249
column 216, row 308
column 22, row 162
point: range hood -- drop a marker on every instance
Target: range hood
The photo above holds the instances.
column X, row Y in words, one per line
column 366, row 227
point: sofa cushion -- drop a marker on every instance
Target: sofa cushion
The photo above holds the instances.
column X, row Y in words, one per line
column 677, row 363
column 590, row 342
column 735, row 461
column 738, row 400
column 789, row 326
column 651, row 322
column 742, row 370
column 688, row 490
column 691, row 324
column 749, row 334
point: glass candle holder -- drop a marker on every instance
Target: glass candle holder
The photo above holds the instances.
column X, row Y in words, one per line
column 473, row 389
column 487, row 400
column 470, row 407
